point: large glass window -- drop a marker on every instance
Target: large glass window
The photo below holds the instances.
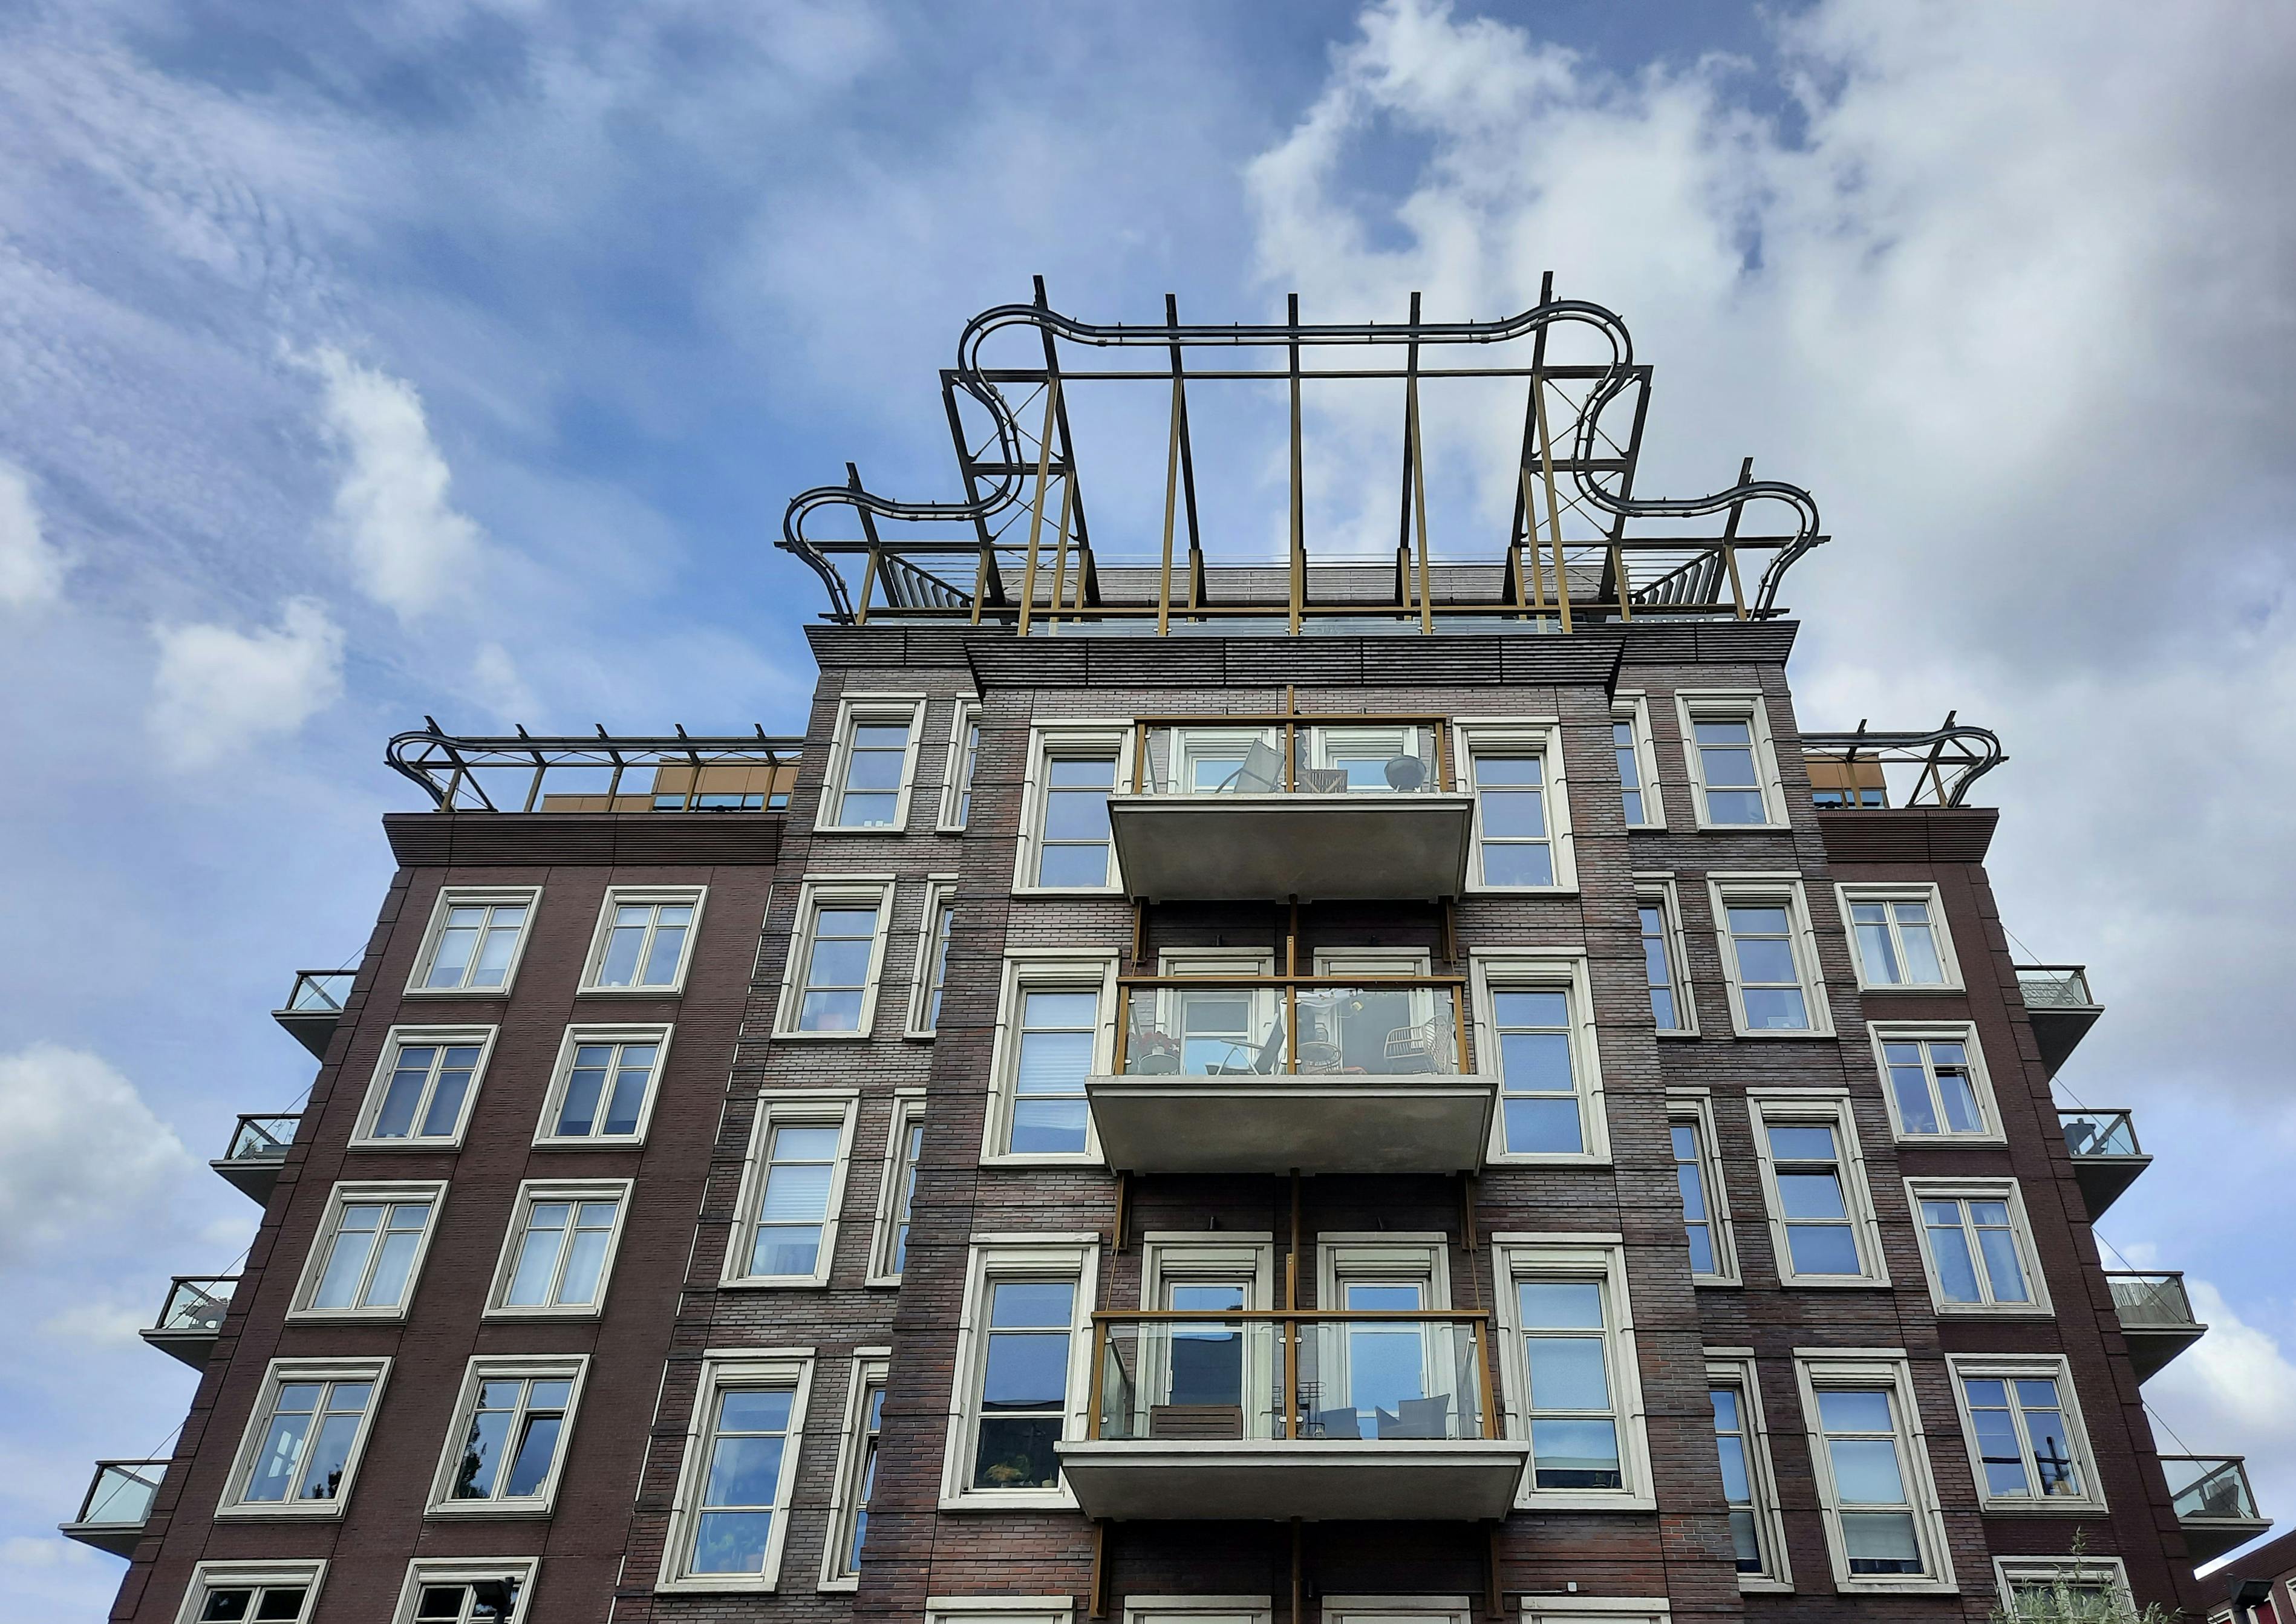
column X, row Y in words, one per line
column 933, row 976
column 1667, row 995
column 1974, row 1247
column 1630, row 771
column 562, row 1246
column 841, row 951
column 511, row 1443
column 1859, row 1430
column 424, row 1090
column 476, row 946
column 1574, row 1430
column 1897, row 943
column 606, row 1085
column 2027, row 1445
column 307, row 1441
column 965, row 758
column 485, row 1601
column 1511, row 802
column 1734, row 1438
column 1813, row 1199
column 1024, row 1397
column 1728, row 772
column 741, row 1483
column 1052, row 1054
column 873, row 1428
column 370, row 1255
column 1074, row 845
column 1934, row 1085
column 1539, row 1110
column 643, row 944
column 1691, row 1162
column 800, row 1171
column 876, row 760
column 1761, row 937
column 257, row 1604
column 911, row 1146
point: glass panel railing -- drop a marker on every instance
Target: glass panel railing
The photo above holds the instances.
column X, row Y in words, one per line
column 2150, row 1299
column 2054, row 987
column 1377, row 1377
column 2209, row 1486
column 1374, row 755
column 321, row 992
column 2099, row 1133
column 1203, row 1027
column 196, row 1306
column 262, row 1138
column 120, row 1493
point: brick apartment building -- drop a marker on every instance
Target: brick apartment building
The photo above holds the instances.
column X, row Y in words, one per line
column 1343, row 1089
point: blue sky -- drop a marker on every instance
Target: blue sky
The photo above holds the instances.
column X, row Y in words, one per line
column 458, row 357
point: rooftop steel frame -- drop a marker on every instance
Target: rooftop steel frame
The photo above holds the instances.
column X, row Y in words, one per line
column 455, row 771
column 1022, row 552
column 1946, row 760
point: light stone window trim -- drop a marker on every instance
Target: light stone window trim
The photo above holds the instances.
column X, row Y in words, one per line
column 1768, row 889
column 832, row 892
column 960, row 768
column 1000, row 1610
column 855, row 710
column 1731, row 1368
column 1696, row 705
column 1606, row 1609
column 2103, row 1572
column 1046, row 970
column 1883, row 1033
column 932, row 923
column 389, row 1194
column 577, row 1193
column 1600, row 1259
column 1819, row 1369
column 1814, row 1107
column 209, row 1577
column 1492, row 971
column 562, row 1076
column 2009, row 1367
column 1658, row 888
column 1207, row 1609
column 483, row 1368
column 864, row 1379
column 1049, row 742
column 1631, row 706
column 993, row 1260
column 834, row 1109
column 425, row 1571
column 1848, row 894
column 2021, row 1229
column 374, row 1373
column 1694, row 1108
column 377, row 1088
column 908, row 1116
column 656, row 897
column 1424, row 1609
column 528, row 897
column 1539, row 737
column 724, row 1371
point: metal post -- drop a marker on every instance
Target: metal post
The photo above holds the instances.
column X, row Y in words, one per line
column 1554, row 507
column 1036, row 507
column 1298, row 495
column 1419, row 501
column 1171, row 505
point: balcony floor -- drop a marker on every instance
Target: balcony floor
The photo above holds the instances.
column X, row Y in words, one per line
column 2209, row 1538
column 1316, row 1480
column 2103, row 1178
column 1317, row 1124
column 1262, row 847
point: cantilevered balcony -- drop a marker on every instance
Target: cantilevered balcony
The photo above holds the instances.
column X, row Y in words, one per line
column 314, row 1007
column 1267, row 1416
column 2215, row 1505
column 1232, row 808
column 257, row 1152
column 2156, row 1318
column 116, row 1506
column 192, row 1317
column 2058, row 1003
column 1369, row 1074
column 2106, row 1156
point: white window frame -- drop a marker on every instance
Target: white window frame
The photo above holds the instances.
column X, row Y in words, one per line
column 281, row 1373
column 561, row 1074
column 908, row 1113
column 833, row 890
column 870, row 1368
column 1981, row 1077
column 209, row 1577
column 1831, row 1108
column 1848, row 892
column 2106, row 1571
column 1769, row 889
column 967, row 714
column 1815, row 1368
column 1596, row 1610
column 427, row 1570
column 1659, row 887
column 879, row 709
column 363, row 1131
column 725, row 1368
column 1426, row 1609
column 619, row 895
column 315, row 1259
column 2008, row 1190
column 1199, row 1609
column 1520, row 1258
column 1046, row 742
column 1000, row 1610
column 1961, row 1367
column 1545, row 969
column 451, row 895
column 570, row 1190
column 1632, row 706
column 1045, row 970
column 940, row 898
column 993, row 1258
column 1541, row 737
column 572, row 1368
column 1734, row 1367
column 1695, row 1106
column 1695, row 705
column 790, row 1108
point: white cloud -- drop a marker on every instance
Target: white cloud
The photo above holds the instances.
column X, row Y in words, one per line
column 83, row 1153
column 410, row 549
column 31, row 566
column 495, row 676
column 218, row 691
column 99, row 1325
column 2233, row 1391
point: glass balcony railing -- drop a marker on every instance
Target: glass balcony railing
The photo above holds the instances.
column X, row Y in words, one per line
column 1366, row 1025
column 2151, row 1299
column 1371, row 755
column 2210, row 1487
column 2100, row 1132
column 1398, row 1377
column 195, row 1306
column 117, row 1504
column 320, row 992
column 2054, row 987
column 262, row 1138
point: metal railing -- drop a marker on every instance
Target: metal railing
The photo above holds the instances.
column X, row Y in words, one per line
column 261, row 1138
column 2210, row 1486
column 2099, row 1133
column 1285, row 1026
column 1935, row 769
column 1290, row 755
column 319, row 992
column 2150, row 1299
column 2046, row 987
column 1410, row 1375
column 196, row 1305
column 120, row 1493
column 678, row 773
